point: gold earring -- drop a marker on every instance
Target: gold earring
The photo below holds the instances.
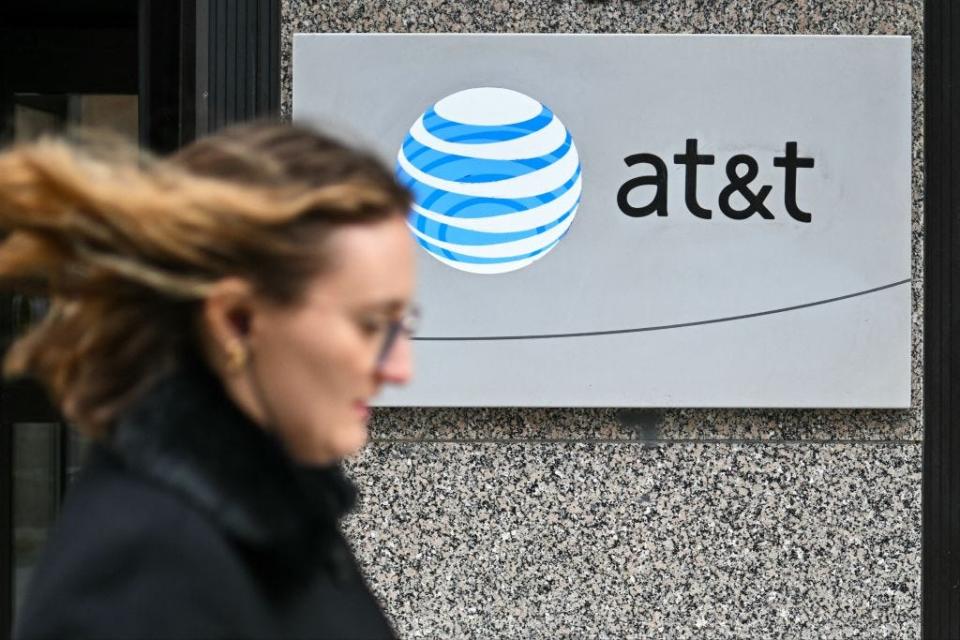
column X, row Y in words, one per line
column 237, row 356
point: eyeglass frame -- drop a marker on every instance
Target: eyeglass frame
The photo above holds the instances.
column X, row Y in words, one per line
column 406, row 324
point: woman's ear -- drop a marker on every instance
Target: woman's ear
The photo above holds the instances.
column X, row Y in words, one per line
column 227, row 317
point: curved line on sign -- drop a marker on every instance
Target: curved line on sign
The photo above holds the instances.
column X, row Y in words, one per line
column 662, row 327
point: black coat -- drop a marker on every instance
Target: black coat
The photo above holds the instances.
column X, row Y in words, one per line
column 189, row 521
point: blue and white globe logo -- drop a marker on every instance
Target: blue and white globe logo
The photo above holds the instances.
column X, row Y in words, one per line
column 495, row 178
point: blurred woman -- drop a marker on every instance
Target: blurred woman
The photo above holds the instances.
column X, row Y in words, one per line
column 219, row 322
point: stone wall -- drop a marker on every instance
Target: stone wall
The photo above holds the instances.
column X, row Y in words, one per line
column 535, row 523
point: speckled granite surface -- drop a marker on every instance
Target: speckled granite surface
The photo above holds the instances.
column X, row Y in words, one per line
column 605, row 523
column 647, row 16
column 495, row 424
column 615, row 540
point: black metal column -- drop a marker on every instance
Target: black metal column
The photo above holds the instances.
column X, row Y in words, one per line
column 161, row 83
column 238, row 62
column 205, row 64
column 941, row 448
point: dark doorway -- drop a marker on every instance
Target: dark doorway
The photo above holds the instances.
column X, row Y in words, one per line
column 62, row 65
column 159, row 72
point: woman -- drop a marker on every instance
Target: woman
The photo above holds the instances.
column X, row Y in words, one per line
column 219, row 322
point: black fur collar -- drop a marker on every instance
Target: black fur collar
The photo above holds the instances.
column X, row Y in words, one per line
column 186, row 434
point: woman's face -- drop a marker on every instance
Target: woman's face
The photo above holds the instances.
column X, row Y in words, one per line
column 315, row 367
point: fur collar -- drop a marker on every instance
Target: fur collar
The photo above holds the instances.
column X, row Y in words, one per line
column 186, row 434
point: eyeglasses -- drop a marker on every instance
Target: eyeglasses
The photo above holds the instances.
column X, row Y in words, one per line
column 404, row 325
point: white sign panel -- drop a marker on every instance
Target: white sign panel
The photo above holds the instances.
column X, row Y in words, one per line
column 641, row 220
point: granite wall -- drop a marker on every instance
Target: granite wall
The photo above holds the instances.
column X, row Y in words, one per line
column 603, row 523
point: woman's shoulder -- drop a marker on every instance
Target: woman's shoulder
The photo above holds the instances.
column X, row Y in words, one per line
column 111, row 506
column 128, row 557
column 109, row 497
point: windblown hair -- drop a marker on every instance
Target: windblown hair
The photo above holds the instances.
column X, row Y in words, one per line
column 126, row 247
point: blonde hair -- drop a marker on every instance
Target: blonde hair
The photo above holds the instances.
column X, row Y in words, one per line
column 127, row 246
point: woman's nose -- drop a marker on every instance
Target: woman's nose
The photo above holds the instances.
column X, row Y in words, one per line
column 397, row 366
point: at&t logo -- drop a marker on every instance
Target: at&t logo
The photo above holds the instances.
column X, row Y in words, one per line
column 495, row 178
